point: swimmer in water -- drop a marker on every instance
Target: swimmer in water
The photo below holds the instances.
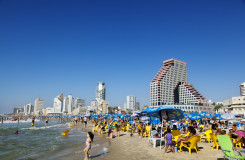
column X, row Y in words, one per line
column 46, row 121
column 33, row 121
column 89, row 140
column 16, row 132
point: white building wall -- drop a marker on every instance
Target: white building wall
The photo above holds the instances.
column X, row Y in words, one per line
column 65, row 105
column 70, row 104
column 130, row 102
column 242, row 89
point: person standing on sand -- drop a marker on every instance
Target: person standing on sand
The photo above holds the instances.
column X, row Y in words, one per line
column 89, row 140
column 2, row 120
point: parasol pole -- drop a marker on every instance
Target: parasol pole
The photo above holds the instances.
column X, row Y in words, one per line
column 161, row 135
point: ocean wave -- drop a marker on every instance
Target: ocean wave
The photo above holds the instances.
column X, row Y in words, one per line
column 43, row 127
column 21, row 121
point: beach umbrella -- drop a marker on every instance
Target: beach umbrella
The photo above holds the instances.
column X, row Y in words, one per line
column 218, row 116
column 145, row 119
column 228, row 116
column 206, row 115
column 194, row 116
column 169, row 113
column 155, row 120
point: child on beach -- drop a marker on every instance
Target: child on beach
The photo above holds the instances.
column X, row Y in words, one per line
column 89, row 140
column 169, row 140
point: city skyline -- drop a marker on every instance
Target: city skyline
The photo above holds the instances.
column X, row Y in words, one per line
column 52, row 48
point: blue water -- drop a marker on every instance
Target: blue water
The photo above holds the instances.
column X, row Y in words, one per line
column 41, row 141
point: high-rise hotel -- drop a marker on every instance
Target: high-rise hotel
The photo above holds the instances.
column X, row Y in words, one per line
column 170, row 86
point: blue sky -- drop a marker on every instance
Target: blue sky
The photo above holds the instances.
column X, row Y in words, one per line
column 53, row 46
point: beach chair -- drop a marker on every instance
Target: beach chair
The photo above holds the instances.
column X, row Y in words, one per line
column 176, row 134
column 227, row 147
column 147, row 131
column 215, row 140
column 187, row 134
column 206, row 136
column 103, row 130
column 193, row 144
column 200, row 128
column 128, row 127
column 95, row 129
column 65, row 133
column 123, row 128
column 237, row 143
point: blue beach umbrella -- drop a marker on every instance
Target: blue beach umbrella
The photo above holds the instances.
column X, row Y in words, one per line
column 206, row 115
column 170, row 112
column 218, row 116
column 228, row 116
column 194, row 116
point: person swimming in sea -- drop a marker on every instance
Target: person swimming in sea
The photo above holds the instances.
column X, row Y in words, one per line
column 89, row 140
column 46, row 121
column 33, row 121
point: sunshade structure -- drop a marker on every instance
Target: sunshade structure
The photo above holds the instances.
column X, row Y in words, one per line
column 145, row 119
column 206, row 115
column 107, row 115
column 169, row 113
column 194, row 116
column 228, row 116
column 218, row 116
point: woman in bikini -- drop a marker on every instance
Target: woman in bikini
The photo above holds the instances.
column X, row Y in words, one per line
column 89, row 140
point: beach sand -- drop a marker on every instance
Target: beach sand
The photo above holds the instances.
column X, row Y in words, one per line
column 135, row 148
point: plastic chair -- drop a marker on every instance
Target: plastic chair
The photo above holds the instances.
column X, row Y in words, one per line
column 104, row 130
column 147, row 131
column 215, row 140
column 193, row 144
column 206, row 135
column 176, row 134
column 237, row 143
column 227, row 147
column 95, row 129
column 65, row 133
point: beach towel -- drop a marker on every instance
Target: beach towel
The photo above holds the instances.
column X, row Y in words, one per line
column 240, row 134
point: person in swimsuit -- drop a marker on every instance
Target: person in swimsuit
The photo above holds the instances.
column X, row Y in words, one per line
column 89, row 140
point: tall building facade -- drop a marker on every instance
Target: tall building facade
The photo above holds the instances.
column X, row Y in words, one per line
column 170, row 86
column 79, row 103
column 131, row 102
column 39, row 106
column 242, row 89
column 70, row 103
column 28, row 109
column 58, row 103
column 100, row 92
column 65, row 105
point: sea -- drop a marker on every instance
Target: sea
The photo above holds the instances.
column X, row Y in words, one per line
column 45, row 142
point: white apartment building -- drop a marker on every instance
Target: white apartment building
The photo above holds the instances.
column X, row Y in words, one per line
column 131, row 102
column 193, row 108
column 170, row 87
column 234, row 105
column 70, row 104
column 79, row 103
column 65, row 105
column 242, row 89
column 58, row 103
column 28, row 109
column 39, row 106
column 100, row 92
